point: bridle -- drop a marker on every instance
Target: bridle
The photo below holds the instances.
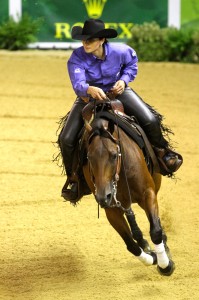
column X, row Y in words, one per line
column 116, row 202
column 119, row 155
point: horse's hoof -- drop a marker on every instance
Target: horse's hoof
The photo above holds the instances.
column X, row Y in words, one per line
column 168, row 270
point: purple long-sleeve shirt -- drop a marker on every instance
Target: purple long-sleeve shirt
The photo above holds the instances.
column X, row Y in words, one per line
column 85, row 69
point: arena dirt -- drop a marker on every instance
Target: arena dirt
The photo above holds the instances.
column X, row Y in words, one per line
column 52, row 250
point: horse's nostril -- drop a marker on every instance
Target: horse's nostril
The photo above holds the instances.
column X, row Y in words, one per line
column 109, row 197
column 104, row 201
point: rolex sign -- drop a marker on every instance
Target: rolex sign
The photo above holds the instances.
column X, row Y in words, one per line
column 61, row 15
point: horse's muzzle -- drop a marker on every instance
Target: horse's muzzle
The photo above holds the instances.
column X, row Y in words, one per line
column 104, row 201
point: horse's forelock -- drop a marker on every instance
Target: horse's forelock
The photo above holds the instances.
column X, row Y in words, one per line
column 100, row 128
column 97, row 129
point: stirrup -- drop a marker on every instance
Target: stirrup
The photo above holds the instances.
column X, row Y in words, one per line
column 74, row 190
column 169, row 160
column 70, row 190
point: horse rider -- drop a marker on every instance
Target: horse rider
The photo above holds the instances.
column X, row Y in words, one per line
column 98, row 67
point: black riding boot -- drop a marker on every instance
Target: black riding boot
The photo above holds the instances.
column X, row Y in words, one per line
column 75, row 186
column 169, row 160
column 67, row 141
column 70, row 189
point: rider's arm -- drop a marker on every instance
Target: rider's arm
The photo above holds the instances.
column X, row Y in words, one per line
column 81, row 88
column 129, row 69
column 78, row 79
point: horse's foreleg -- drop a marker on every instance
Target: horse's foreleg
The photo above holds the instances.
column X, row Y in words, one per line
column 117, row 220
column 136, row 232
column 165, row 265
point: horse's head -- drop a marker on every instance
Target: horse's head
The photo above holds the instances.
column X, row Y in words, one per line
column 104, row 159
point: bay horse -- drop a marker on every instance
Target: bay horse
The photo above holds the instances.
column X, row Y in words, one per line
column 117, row 174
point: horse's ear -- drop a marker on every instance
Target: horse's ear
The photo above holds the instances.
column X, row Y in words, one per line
column 111, row 126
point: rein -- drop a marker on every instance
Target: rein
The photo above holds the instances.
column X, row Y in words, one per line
column 118, row 203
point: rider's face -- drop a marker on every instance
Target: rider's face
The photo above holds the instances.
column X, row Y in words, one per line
column 92, row 45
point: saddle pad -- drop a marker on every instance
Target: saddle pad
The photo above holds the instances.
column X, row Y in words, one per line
column 127, row 126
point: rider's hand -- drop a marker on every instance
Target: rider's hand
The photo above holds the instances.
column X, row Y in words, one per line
column 96, row 93
column 119, row 87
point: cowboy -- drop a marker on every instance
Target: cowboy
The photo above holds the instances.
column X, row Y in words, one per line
column 98, row 67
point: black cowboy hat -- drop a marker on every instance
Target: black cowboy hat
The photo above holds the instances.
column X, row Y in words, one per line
column 92, row 29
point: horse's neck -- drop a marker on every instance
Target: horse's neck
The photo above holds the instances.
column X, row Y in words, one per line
column 130, row 151
column 127, row 144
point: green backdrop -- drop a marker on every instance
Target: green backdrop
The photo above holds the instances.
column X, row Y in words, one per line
column 3, row 10
column 60, row 15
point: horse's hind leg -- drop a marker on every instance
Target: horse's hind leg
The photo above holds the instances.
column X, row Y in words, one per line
column 165, row 265
column 117, row 220
column 136, row 232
